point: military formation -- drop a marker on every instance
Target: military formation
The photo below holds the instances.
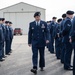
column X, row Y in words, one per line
column 58, row 35
column 6, row 37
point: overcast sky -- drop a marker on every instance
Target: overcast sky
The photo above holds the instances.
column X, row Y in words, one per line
column 53, row 7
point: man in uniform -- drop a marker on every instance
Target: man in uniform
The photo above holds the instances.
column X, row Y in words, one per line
column 58, row 39
column 11, row 34
column 7, row 39
column 72, row 40
column 63, row 47
column 4, row 32
column 38, row 38
column 1, row 41
column 68, row 45
column 52, row 33
column 48, row 45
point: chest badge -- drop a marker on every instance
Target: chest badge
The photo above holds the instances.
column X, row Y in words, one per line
column 32, row 28
column 43, row 26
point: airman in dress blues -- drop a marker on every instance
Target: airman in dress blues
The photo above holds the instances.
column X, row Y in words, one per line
column 4, row 32
column 7, row 39
column 48, row 45
column 52, row 33
column 11, row 34
column 38, row 38
column 63, row 47
column 58, row 39
column 1, row 40
column 68, row 45
column 72, row 40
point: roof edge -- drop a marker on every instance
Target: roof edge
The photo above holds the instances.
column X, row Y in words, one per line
column 23, row 3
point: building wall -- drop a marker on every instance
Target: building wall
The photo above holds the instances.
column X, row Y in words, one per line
column 21, row 14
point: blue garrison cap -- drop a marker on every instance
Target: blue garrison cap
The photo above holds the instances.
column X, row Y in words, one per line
column 69, row 12
column 3, row 19
column 37, row 14
column 54, row 18
column 59, row 20
column 6, row 22
column 10, row 22
column 64, row 15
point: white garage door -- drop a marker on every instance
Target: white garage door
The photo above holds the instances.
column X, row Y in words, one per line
column 20, row 20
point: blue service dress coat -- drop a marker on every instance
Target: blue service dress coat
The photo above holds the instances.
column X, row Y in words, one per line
column 52, row 27
column 38, row 35
column 73, row 41
column 66, row 30
column 1, row 40
column 68, row 45
column 7, row 40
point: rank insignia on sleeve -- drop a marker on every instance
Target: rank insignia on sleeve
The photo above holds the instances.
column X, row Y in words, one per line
column 69, row 25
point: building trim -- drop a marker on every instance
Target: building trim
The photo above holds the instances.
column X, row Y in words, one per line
column 21, row 3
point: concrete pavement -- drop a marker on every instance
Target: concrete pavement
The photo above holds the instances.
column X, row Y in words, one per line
column 20, row 63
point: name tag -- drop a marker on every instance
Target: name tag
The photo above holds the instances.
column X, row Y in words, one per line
column 43, row 26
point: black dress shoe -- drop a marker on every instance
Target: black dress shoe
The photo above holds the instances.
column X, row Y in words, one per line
column 62, row 62
column 69, row 69
column 34, row 71
column 52, row 52
column 71, row 66
column 11, row 51
column 58, row 58
column 8, row 54
column 4, row 56
column 41, row 69
column 2, row 60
